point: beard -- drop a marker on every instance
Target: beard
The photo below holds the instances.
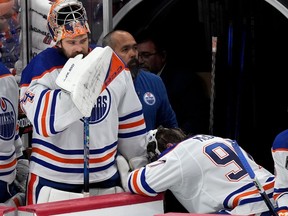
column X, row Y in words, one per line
column 72, row 55
column 63, row 51
column 133, row 66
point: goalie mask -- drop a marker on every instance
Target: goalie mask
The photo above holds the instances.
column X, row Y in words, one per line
column 67, row 19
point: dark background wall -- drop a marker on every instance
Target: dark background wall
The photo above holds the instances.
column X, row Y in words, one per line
column 251, row 61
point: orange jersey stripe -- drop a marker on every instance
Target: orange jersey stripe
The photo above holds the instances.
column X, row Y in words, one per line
column 102, row 159
column 131, row 125
column 266, row 187
column 48, row 71
column 30, row 189
column 236, row 200
column 6, row 75
column 72, row 161
column 4, row 166
column 280, row 149
column 44, row 114
column 116, row 67
column 135, row 176
column 16, row 201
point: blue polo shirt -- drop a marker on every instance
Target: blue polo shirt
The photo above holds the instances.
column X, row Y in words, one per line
column 153, row 96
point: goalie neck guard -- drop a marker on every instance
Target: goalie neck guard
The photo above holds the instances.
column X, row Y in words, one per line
column 67, row 19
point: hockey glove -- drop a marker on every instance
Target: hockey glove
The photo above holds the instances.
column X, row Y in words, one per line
column 124, row 170
column 22, row 171
column 84, row 78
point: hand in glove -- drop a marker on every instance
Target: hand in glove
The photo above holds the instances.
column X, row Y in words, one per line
column 124, row 170
column 22, row 171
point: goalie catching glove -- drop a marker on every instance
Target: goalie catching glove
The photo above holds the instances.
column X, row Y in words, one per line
column 83, row 78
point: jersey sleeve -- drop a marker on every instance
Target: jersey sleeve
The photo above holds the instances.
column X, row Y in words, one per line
column 49, row 109
column 10, row 142
column 132, row 127
column 280, row 157
column 156, row 177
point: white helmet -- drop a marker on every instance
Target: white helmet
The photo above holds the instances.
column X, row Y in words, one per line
column 67, row 19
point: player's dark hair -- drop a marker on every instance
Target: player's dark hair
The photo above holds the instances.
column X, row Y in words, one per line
column 159, row 138
column 169, row 135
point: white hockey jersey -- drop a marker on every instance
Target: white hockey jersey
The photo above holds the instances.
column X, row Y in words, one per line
column 280, row 157
column 206, row 176
column 10, row 142
column 116, row 123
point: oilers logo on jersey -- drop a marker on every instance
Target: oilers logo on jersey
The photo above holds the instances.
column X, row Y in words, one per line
column 7, row 119
column 149, row 98
column 29, row 96
column 101, row 108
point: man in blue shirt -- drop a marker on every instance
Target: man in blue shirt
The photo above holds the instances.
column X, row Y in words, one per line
column 149, row 87
column 182, row 83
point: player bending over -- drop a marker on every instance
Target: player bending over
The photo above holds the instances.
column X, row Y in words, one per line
column 203, row 172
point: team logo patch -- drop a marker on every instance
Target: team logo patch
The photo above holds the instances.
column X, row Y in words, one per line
column 29, row 96
column 101, row 108
column 7, row 119
column 149, row 98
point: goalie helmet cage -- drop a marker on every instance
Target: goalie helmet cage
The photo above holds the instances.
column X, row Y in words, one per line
column 67, row 19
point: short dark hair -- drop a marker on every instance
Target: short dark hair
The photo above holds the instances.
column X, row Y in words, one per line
column 107, row 41
column 146, row 36
column 169, row 135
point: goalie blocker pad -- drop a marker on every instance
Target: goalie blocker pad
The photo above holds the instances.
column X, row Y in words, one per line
column 84, row 77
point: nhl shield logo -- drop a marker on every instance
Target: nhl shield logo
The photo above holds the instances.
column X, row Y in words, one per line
column 149, row 98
